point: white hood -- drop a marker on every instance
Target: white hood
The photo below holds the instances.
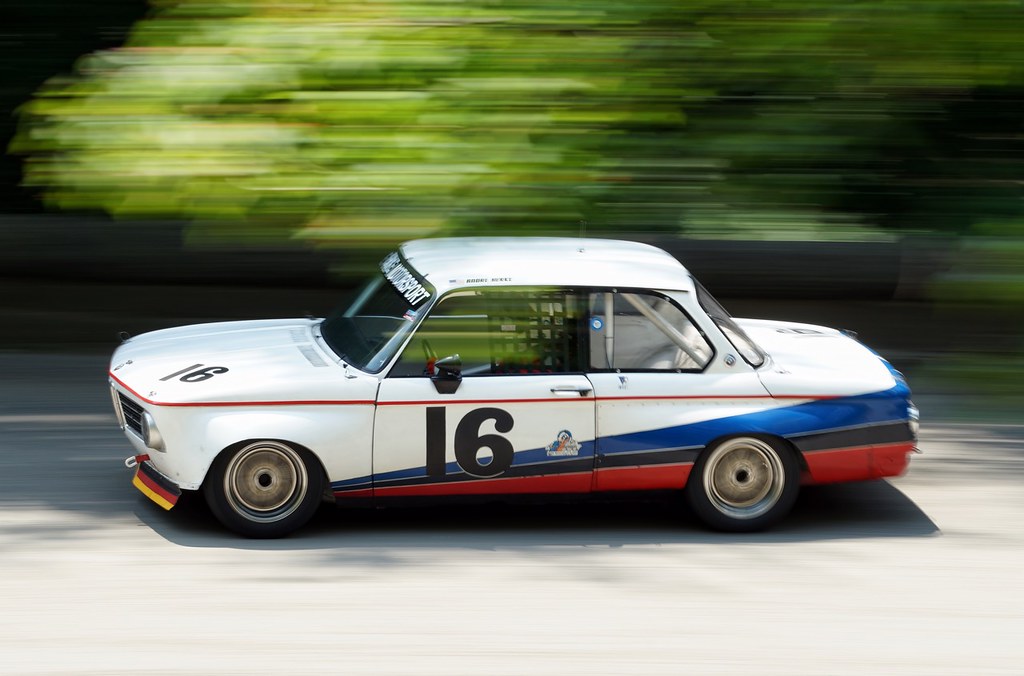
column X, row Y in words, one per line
column 815, row 360
column 269, row 360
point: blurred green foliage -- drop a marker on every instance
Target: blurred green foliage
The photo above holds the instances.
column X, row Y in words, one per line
column 40, row 38
column 391, row 119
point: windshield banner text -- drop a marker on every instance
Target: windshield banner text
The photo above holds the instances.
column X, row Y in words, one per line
column 404, row 281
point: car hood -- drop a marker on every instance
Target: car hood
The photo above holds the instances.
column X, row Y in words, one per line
column 805, row 359
column 243, row 362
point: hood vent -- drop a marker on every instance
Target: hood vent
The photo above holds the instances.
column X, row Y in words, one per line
column 312, row 355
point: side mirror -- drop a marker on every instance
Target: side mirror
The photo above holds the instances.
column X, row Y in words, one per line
column 448, row 374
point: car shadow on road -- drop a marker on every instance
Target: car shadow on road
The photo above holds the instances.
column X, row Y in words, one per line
column 848, row 511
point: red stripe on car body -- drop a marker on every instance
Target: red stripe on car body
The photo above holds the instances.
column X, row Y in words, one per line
column 427, row 402
column 439, row 401
column 642, row 477
column 317, row 402
column 599, row 399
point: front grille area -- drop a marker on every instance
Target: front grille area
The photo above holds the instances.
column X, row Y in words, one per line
column 132, row 414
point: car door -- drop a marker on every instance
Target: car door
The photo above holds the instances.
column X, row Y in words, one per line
column 515, row 414
column 662, row 390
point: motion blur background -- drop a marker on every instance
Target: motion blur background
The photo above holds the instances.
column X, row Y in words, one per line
column 852, row 164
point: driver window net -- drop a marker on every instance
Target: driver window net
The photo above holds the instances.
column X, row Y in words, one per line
column 535, row 332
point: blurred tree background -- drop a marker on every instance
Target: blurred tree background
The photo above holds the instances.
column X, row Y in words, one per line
column 336, row 120
column 39, row 39
column 331, row 125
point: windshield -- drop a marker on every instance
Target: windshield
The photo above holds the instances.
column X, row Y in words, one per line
column 369, row 332
column 747, row 348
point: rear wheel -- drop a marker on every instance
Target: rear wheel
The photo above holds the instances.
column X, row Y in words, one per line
column 743, row 484
column 264, row 489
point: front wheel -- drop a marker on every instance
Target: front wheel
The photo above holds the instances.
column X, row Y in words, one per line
column 264, row 489
column 743, row 484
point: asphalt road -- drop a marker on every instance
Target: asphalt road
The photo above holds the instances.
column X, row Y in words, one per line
column 921, row 574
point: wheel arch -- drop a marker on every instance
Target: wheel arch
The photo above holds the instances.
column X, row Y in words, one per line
column 233, row 431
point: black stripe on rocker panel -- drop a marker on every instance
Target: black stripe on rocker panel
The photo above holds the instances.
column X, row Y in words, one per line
column 663, row 456
column 885, row 433
column 549, row 468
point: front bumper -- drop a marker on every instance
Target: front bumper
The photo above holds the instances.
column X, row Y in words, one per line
column 155, row 485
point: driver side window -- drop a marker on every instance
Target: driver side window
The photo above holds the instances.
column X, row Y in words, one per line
column 498, row 332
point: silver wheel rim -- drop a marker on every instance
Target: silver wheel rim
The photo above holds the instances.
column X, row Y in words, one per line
column 265, row 482
column 744, row 478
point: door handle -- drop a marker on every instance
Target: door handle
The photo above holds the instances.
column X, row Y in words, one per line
column 569, row 390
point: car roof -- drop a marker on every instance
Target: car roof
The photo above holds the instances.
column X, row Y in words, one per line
column 449, row 263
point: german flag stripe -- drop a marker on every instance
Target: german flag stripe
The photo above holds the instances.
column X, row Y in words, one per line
column 155, row 487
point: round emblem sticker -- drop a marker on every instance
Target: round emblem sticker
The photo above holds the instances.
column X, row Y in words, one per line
column 596, row 324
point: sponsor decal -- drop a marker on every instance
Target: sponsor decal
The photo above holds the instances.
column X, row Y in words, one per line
column 404, row 281
column 563, row 444
column 596, row 324
column 487, row 280
column 410, row 315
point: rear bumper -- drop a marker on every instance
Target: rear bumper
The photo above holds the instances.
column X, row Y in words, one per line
column 859, row 463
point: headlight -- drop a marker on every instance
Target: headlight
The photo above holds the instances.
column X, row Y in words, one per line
column 150, row 434
column 914, row 418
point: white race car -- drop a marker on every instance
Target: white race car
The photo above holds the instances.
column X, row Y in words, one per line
column 499, row 366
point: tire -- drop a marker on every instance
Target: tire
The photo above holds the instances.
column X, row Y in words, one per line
column 264, row 489
column 743, row 484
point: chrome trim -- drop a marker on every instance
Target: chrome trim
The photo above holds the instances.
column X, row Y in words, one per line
column 118, row 413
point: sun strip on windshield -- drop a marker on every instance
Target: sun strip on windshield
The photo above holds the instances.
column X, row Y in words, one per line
column 406, row 282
